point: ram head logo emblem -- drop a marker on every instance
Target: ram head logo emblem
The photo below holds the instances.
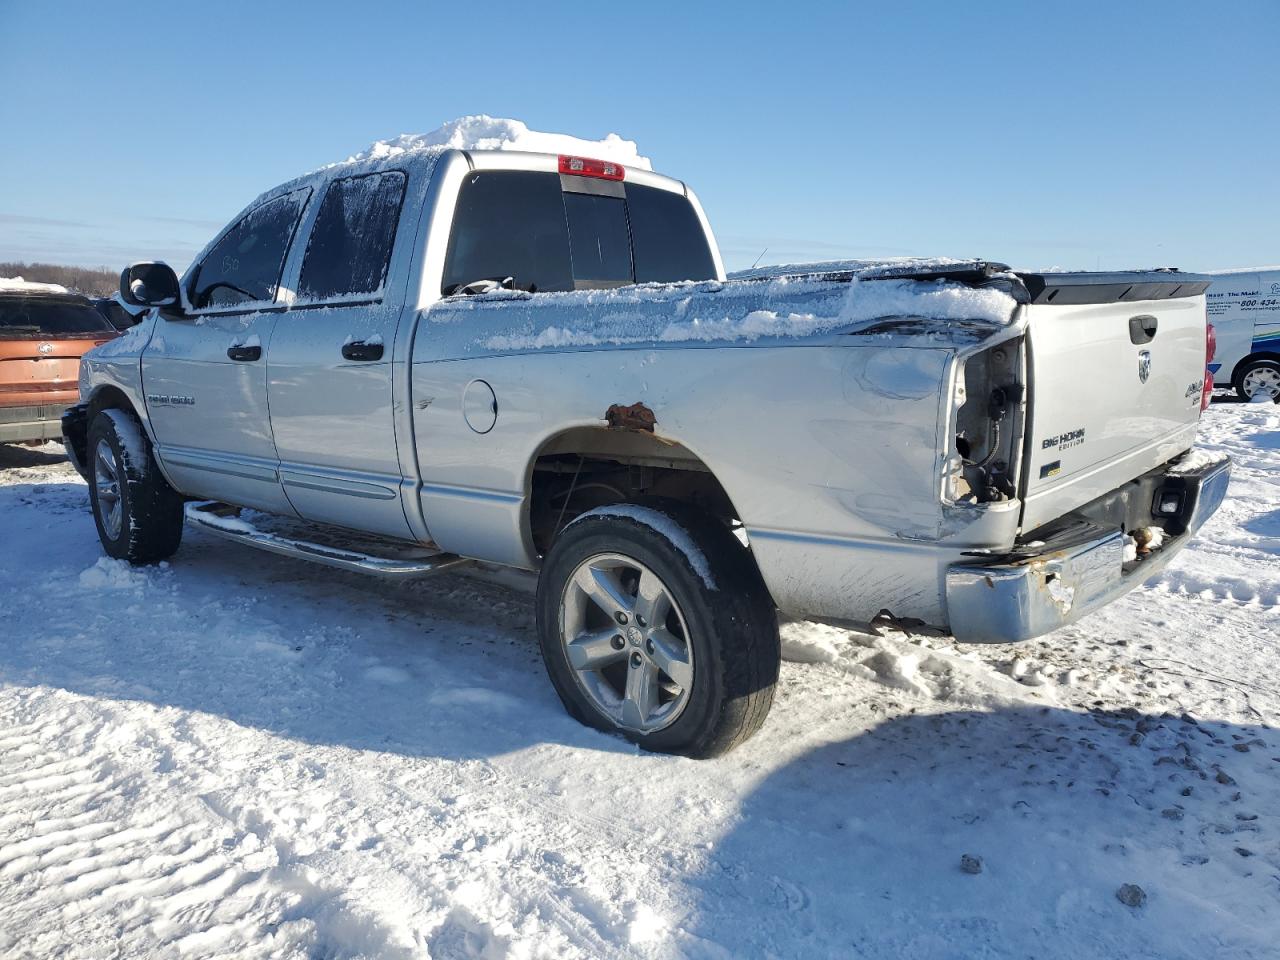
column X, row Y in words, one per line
column 1144, row 365
column 45, row 348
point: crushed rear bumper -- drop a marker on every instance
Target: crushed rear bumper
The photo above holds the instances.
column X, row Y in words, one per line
column 1044, row 586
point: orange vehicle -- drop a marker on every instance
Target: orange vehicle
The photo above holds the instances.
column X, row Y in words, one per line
column 44, row 330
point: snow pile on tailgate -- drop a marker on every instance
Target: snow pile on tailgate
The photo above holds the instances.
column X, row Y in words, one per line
column 770, row 310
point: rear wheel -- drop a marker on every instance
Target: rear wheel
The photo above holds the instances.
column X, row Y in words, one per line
column 138, row 515
column 654, row 623
column 1259, row 378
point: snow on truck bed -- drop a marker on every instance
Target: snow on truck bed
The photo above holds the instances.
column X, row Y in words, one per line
column 776, row 309
column 235, row 754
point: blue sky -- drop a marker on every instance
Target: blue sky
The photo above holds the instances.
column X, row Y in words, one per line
column 1077, row 135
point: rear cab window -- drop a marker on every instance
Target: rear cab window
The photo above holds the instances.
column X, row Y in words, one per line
column 244, row 267
column 47, row 318
column 544, row 232
column 509, row 224
column 667, row 236
column 599, row 241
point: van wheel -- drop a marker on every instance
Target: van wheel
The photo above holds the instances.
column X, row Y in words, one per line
column 1259, row 378
column 654, row 623
column 138, row 515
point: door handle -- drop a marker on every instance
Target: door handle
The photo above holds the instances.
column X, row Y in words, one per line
column 361, row 350
column 240, row 352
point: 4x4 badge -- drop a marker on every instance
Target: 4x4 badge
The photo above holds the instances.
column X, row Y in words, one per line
column 1144, row 365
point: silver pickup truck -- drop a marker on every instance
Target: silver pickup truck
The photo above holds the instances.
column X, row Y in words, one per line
column 443, row 358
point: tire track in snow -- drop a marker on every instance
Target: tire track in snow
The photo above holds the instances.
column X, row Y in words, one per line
column 1227, row 589
column 90, row 866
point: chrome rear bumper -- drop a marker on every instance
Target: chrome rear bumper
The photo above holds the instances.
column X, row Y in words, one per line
column 1031, row 592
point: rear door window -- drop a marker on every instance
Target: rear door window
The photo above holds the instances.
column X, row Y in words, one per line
column 244, row 267
column 22, row 317
column 350, row 246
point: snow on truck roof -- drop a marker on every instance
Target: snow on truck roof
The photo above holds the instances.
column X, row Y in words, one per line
column 482, row 132
column 477, row 134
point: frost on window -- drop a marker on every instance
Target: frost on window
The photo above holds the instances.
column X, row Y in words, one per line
column 245, row 265
column 350, row 246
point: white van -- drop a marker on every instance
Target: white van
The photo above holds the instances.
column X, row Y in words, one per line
column 1244, row 308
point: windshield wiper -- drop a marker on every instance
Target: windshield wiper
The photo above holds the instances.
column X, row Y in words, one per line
column 487, row 285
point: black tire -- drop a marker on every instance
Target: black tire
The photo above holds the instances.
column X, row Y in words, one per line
column 150, row 511
column 1249, row 367
column 732, row 624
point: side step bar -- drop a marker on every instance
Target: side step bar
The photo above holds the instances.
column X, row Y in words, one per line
column 221, row 520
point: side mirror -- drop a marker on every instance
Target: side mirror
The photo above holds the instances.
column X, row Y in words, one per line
column 150, row 284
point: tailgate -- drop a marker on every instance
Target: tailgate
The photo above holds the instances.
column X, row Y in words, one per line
column 1117, row 364
column 34, row 371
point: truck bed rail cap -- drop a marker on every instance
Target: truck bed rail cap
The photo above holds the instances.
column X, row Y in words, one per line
column 1069, row 289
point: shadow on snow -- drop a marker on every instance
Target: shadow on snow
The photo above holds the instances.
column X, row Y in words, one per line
column 852, row 849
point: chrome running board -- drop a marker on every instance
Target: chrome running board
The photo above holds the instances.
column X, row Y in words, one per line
column 223, row 520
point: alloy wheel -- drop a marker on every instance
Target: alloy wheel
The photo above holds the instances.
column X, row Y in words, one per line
column 106, row 481
column 627, row 642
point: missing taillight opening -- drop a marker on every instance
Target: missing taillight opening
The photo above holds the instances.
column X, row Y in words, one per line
column 987, row 439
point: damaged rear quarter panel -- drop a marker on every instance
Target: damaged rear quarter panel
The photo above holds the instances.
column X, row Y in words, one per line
column 830, row 446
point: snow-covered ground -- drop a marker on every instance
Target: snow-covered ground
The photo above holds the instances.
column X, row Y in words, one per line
column 241, row 755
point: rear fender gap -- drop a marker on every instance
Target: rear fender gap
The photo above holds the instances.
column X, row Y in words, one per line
column 589, row 467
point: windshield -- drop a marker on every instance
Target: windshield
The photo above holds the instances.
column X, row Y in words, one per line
column 44, row 317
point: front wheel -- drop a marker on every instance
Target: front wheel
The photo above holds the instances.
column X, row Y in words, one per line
column 138, row 515
column 1260, row 378
column 654, row 623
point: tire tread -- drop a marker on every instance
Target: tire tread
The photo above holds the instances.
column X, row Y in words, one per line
column 154, row 516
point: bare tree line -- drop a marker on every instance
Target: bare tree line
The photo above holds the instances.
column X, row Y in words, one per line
column 91, row 281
